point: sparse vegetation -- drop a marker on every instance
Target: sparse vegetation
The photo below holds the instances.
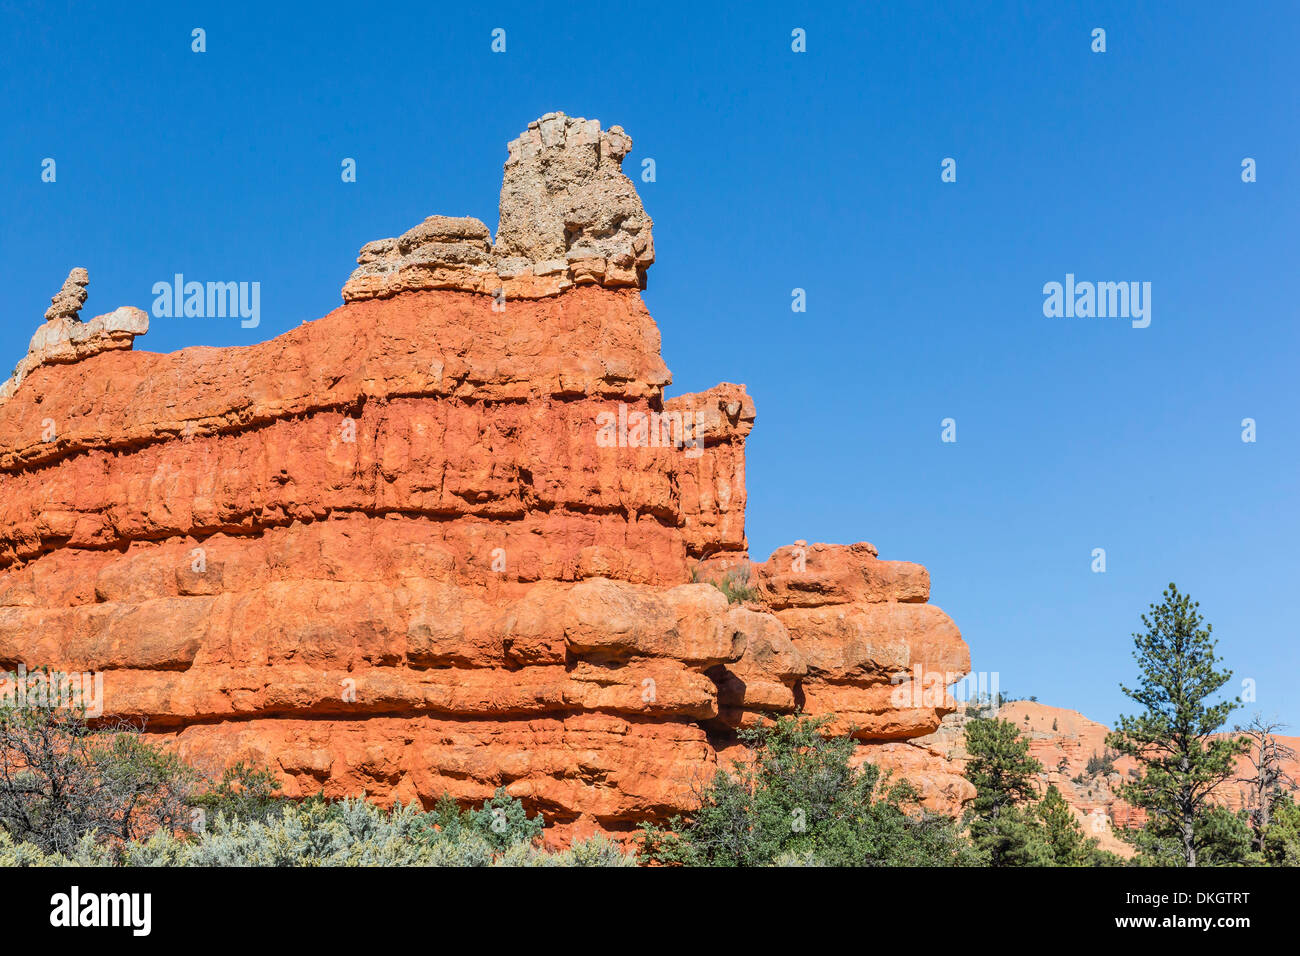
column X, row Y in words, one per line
column 243, row 792
column 340, row 833
column 62, row 783
column 1100, row 764
column 735, row 584
column 798, row 802
column 1269, row 783
column 1282, row 838
column 71, row 794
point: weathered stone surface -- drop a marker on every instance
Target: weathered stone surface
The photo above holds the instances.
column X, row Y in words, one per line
column 426, row 545
column 568, row 217
column 713, row 473
column 802, row 576
column 873, row 642
column 942, row 787
column 65, row 338
column 565, row 198
column 617, row 771
column 765, row 679
column 67, row 302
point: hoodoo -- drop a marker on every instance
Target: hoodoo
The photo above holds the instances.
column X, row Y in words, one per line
column 390, row 553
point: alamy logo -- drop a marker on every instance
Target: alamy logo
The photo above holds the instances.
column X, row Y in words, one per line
column 1104, row 300
column 637, row 429
column 208, row 300
column 74, row 909
column 928, row 688
column 53, row 689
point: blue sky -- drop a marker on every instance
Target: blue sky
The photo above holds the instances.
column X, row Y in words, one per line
column 778, row 170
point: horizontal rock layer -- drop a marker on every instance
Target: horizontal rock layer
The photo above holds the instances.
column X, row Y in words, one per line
column 440, row 542
column 389, row 555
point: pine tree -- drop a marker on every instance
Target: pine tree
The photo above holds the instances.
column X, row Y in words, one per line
column 1174, row 740
column 801, row 801
column 1064, row 836
column 1282, row 838
column 1002, row 825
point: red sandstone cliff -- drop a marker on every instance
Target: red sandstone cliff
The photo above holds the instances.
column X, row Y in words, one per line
column 449, row 537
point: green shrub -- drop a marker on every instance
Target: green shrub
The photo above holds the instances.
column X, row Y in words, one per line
column 1282, row 837
column 734, row 583
column 1219, row 836
column 596, row 851
column 75, row 795
column 243, row 792
column 340, row 833
column 801, row 802
column 62, row 781
column 1100, row 763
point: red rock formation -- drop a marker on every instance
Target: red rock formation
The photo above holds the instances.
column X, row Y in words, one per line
column 446, row 538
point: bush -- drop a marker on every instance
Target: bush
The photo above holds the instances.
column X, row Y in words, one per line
column 596, row 851
column 734, row 583
column 1220, row 838
column 339, row 833
column 74, row 795
column 502, row 822
column 1282, row 838
column 243, row 792
column 1100, row 763
column 61, row 781
column 801, row 803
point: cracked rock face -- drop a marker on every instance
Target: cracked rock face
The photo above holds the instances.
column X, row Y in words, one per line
column 569, row 217
column 565, row 198
column 67, row 302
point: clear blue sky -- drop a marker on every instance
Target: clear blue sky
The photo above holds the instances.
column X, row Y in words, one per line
column 779, row 170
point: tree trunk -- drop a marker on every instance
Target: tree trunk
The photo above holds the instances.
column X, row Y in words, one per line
column 1260, row 818
column 1187, row 805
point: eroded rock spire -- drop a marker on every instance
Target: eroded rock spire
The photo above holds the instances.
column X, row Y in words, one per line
column 64, row 337
column 67, row 302
column 568, row 216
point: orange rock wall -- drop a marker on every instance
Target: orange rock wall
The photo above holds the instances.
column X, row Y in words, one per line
column 423, row 546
